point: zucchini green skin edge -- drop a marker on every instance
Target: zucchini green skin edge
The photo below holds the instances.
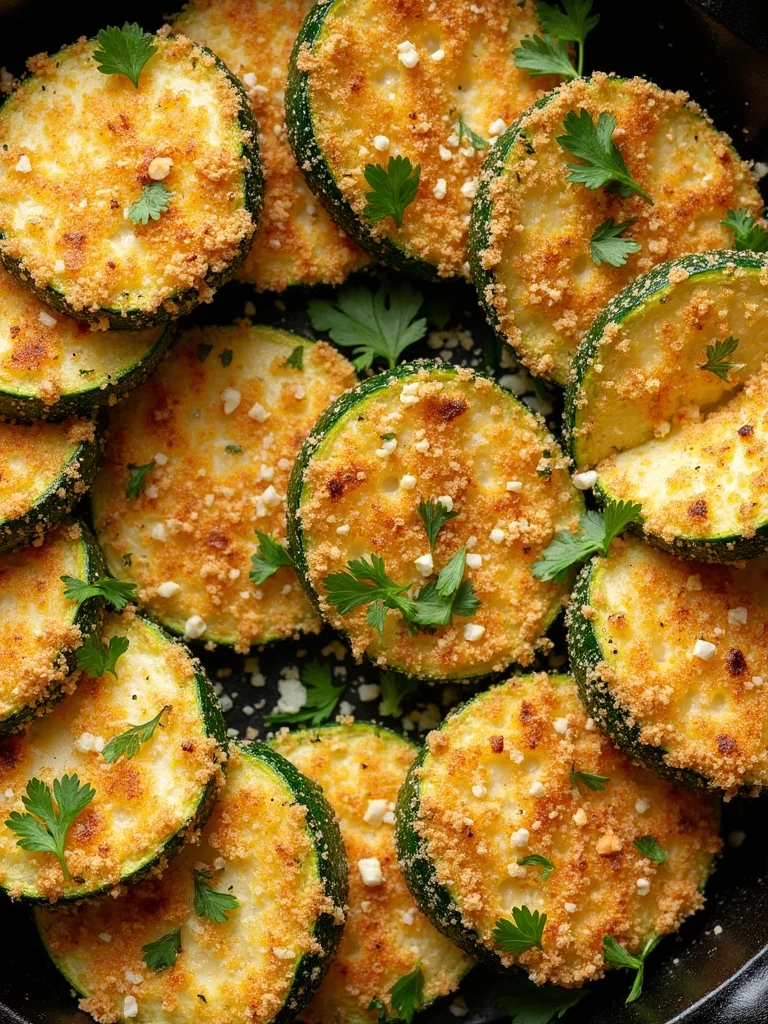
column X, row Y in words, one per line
column 30, row 409
column 51, row 507
column 314, row 440
column 88, row 618
column 315, row 167
column 654, row 286
column 183, row 302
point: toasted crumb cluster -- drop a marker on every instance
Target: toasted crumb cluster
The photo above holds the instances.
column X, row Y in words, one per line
column 242, row 969
column 543, row 285
column 140, row 804
column 361, row 769
column 63, row 209
column 296, row 242
column 496, row 786
column 222, row 420
column 438, row 433
column 389, row 79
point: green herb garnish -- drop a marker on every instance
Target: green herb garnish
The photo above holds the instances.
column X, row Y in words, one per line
column 270, row 557
column 604, row 165
column 161, row 954
column 747, row 233
column 596, row 783
column 155, row 199
column 203, row 351
column 208, row 902
column 124, row 51
column 233, row 449
column 651, row 848
column 717, row 358
column 607, row 246
column 225, row 357
column 543, row 55
column 393, row 189
column 118, row 594
column 296, row 358
column 476, row 141
column 596, row 532
column 528, row 1003
column 96, row 658
column 128, row 743
column 526, row 932
column 137, row 478
column 538, row 860
column 615, row 954
column 571, row 25
column 407, row 995
column 434, row 515
column 322, row 698
column 395, row 687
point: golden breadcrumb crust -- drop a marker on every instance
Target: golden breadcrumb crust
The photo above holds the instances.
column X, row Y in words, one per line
column 477, row 817
column 139, row 803
column 71, row 206
column 479, row 439
column 648, row 610
column 547, row 288
column 255, row 845
column 296, row 241
column 359, row 90
column 385, row 936
column 221, row 476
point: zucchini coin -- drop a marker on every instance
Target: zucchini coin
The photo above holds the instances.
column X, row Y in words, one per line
column 361, row 768
column 76, row 221
column 454, row 440
column 519, row 807
column 668, row 404
column 149, row 800
column 671, row 660
column 372, row 80
column 197, row 462
column 40, row 629
column 296, row 242
column 531, row 235
column 271, row 847
column 45, row 468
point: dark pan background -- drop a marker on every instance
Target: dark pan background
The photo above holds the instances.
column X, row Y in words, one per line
column 718, row 51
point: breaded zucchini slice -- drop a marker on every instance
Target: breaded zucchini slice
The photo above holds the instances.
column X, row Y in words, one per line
column 216, row 431
column 65, row 224
column 361, row 768
column 296, row 242
column 497, row 783
column 45, row 468
column 671, row 660
column 371, row 80
column 272, row 843
column 52, row 366
column 40, row 629
column 531, row 228
column 668, row 422
column 145, row 807
column 430, row 433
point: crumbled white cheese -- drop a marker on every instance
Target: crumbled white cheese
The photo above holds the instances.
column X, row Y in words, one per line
column 446, row 501
column 160, row 459
column 381, row 142
column 283, row 954
column 497, row 127
column 520, row 838
column 409, row 394
column 249, row 79
column 584, row 481
column 408, row 916
column 408, row 482
column 580, row 817
column 159, row 532
column 515, row 486
column 422, row 446
column 375, row 811
column 437, row 55
column 343, row 530
column 445, row 153
column 643, row 886
column 473, row 631
column 370, row 871
column 293, row 696
column 368, row 692
column 440, row 188
column 105, row 936
column 570, row 908
column 704, row 649
column 270, row 497
column 407, row 54
column 168, row 589
column 130, row 1006
column 425, row 564
column 46, row 318
column 537, row 789
column 469, row 188
column 479, row 791
column 589, row 725
column 475, row 561
column 458, row 1008
column 560, row 725
column 24, row 166
column 258, row 412
column 132, row 977
column 231, row 399
column 387, row 448
column 497, row 535
column 641, row 806
column 194, row 627
column 738, row 615
column 471, row 542
column 59, row 267
column 159, row 168
column 87, row 743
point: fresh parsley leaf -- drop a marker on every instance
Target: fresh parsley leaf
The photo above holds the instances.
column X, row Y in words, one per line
column 651, row 848
column 465, row 603
column 128, row 743
column 615, row 954
column 233, row 449
column 322, row 698
column 225, row 357
column 593, row 143
column 366, row 583
column 124, row 51
column 408, row 995
column 296, row 358
column 203, row 351
column 432, row 609
column 451, row 575
column 155, row 199
column 376, row 324
column 596, row 783
column 270, row 557
column 209, row 903
column 717, row 358
column 538, row 860
column 44, row 828
column 393, row 189
column 116, row 593
column 747, row 233
column 543, row 55
column 434, row 515
column 526, row 932
column 528, row 1003
column 594, row 536
column 607, row 246
column 572, row 25
column 96, row 658
column 161, row 954
column 476, row 141
column 395, row 687
column 137, row 478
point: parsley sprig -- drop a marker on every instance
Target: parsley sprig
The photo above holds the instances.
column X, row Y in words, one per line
column 596, row 532
column 476, row 141
column 270, row 557
column 128, row 743
column 548, row 55
column 747, row 233
column 395, row 687
column 607, row 246
column 137, row 478
column 650, row 847
column 161, row 954
column 525, row 933
column 155, row 199
column 322, row 698
column 434, row 515
column 718, row 361
column 376, row 324
column 96, row 658
column 407, row 997
column 124, row 51
column 615, row 954
column 596, row 783
column 210, row 903
column 394, row 188
column 296, row 358
column 44, row 828
column 543, row 55
column 604, row 166
column 538, row 860
column 528, row 1003
column 117, row 593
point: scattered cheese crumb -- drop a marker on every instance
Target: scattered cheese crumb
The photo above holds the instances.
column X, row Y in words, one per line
column 438, row 55
column 497, row 535
column 159, row 168
column 59, row 267
column 515, row 486
column 407, row 54
column 475, row 561
column 374, row 813
column 479, row 791
column 258, row 412
column 704, row 649
column 408, row 482
column 738, row 615
column 368, row 692
column 87, row 743
column 168, row 589
column 580, row 817
column 560, row 725
column 497, row 127
column 473, row 631
column 584, row 481
column 370, row 871
column 520, row 838
column 381, row 142
column 570, row 908
column 130, row 1006
column 440, row 189
column 537, row 789
column 194, row 627
column 47, row 319
column 231, row 399
column 24, row 166
column 446, row 501
column 641, row 806
column 643, row 886
column 105, row 936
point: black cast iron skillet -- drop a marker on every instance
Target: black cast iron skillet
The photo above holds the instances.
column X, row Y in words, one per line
column 716, row 970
